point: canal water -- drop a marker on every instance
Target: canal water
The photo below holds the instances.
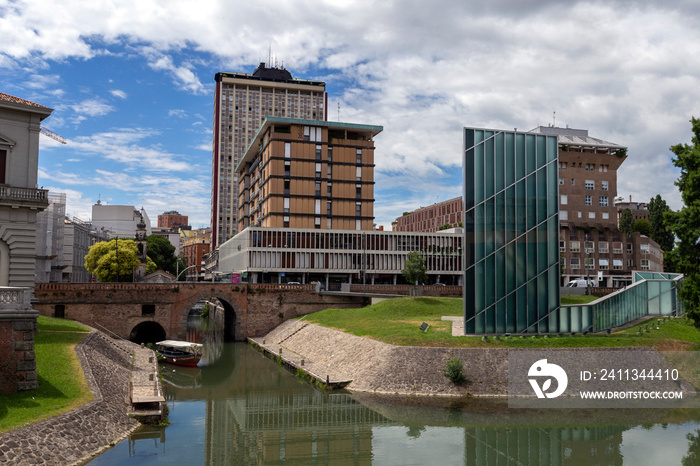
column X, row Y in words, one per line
column 244, row 408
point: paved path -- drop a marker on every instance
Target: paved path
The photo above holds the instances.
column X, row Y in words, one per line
column 74, row 437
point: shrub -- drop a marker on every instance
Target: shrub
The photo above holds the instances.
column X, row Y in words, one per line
column 454, row 371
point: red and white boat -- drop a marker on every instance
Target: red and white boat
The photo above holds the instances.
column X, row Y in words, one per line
column 182, row 353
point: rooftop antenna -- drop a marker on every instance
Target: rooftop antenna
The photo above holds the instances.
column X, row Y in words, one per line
column 269, row 55
column 338, row 111
column 554, row 119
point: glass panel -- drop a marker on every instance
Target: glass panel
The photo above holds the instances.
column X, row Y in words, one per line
column 510, row 214
column 553, row 289
column 501, row 316
column 490, row 320
column 531, row 201
column 510, row 267
column 489, row 227
column 531, row 254
column 531, row 304
column 552, row 231
column 490, row 278
column 521, row 310
column 489, row 171
column 479, row 287
column 510, row 313
column 510, row 158
column 552, row 149
column 542, row 195
column 500, row 224
column 519, row 156
column 521, row 261
column 531, row 155
column 542, row 304
column 541, row 150
column 520, row 202
column 499, row 162
column 500, row 273
column 552, row 190
column 478, row 173
column 479, row 232
column 542, row 249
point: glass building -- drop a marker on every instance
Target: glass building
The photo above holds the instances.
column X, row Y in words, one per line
column 511, row 228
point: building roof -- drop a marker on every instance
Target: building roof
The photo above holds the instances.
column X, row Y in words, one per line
column 8, row 100
column 272, row 74
column 255, row 142
column 576, row 137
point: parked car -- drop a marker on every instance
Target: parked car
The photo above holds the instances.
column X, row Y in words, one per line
column 580, row 283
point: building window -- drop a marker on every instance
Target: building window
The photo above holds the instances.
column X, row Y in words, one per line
column 358, row 156
column 329, row 189
column 562, row 262
column 318, row 170
column 602, row 264
column 630, row 263
column 285, row 221
column 358, row 173
column 588, row 200
column 575, row 246
column 330, row 154
column 603, row 201
column 328, row 223
column 575, row 262
column 564, row 199
column 573, row 182
column 629, row 248
column 287, row 168
column 562, row 165
column 617, row 264
column 561, row 181
column 318, row 152
column 563, row 215
column 358, row 208
column 604, row 185
column 317, row 207
column 590, row 263
column 3, row 164
column 313, row 133
column 317, row 222
column 358, row 224
column 358, row 191
column 562, row 246
column 286, row 205
column 644, row 248
column 617, row 247
column 287, row 150
column 645, row 264
column 590, row 184
column 603, row 247
column 591, row 214
column 589, row 246
column 605, row 215
column 286, row 187
column 328, row 207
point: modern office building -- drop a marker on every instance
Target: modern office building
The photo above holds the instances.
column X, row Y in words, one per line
column 511, row 276
column 440, row 215
column 173, row 221
column 308, row 174
column 241, row 102
column 20, row 198
column 281, row 255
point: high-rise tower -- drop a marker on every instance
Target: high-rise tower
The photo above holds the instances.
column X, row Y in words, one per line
column 241, row 103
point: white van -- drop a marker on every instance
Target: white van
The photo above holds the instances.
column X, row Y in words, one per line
column 580, row 283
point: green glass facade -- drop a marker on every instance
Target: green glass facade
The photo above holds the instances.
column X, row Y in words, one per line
column 511, row 277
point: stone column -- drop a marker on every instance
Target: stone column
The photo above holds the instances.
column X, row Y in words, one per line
column 17, row 328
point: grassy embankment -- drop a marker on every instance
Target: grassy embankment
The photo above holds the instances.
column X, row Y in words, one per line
column 62, row 385
column 396, row 322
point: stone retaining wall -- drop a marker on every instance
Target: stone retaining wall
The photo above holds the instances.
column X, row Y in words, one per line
column 75, row 436
column 381, row 368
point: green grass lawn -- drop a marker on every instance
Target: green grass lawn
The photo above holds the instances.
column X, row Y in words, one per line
column 572, row 300
column 397, row 321
column 62, row 385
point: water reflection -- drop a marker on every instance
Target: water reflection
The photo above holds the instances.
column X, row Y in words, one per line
column 245, row 409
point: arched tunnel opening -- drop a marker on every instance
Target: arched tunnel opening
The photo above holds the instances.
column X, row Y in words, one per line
column 220, row 314
column 147, row 332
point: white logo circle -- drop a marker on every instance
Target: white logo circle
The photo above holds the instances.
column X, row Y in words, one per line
column 551, row 371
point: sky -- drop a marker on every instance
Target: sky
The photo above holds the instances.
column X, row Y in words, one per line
column 132, row 82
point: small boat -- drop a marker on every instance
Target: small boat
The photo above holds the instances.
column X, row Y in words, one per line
column 183, row 353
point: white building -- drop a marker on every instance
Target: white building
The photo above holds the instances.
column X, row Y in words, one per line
column 119, row 220
column 332, row 257
column 50, row 228
column 20, row 198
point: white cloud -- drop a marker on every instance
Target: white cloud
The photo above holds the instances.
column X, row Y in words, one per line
column 92, row 107
column 118, row 93
column 178, row 113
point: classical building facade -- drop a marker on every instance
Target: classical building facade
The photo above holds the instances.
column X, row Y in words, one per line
column 282, row 255
column 241, row 102
column 432, row 218
column 20, row 200
column 308, row 174
column 511, row 262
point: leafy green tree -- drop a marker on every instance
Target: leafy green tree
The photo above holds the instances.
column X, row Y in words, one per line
column 414, row 269
column 661, row 223
column 693, row 455
column 642, row 226
column 446, row 226
column 626, row 221
column 162, row 252
column 101, row 260
column 686, row 222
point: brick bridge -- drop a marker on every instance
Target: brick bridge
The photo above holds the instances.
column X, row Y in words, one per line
column 131, row 310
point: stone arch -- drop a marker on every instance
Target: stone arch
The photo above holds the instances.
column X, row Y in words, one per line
column 147, row 332
column 4, row 263
column 233, row 312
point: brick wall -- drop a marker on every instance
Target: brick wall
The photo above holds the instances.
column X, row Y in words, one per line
column 17, row 364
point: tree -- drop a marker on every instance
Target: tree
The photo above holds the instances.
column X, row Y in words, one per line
column 446, row 226
column 686, row 222
column 642, row 226
column 626, row 221
column 159, row 249
column 101, row 260
column 661, row 223
column 414, row 269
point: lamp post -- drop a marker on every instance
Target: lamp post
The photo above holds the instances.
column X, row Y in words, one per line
column 588, row 270
column 116, row 240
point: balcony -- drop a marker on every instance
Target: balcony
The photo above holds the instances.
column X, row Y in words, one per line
column 23, row 197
